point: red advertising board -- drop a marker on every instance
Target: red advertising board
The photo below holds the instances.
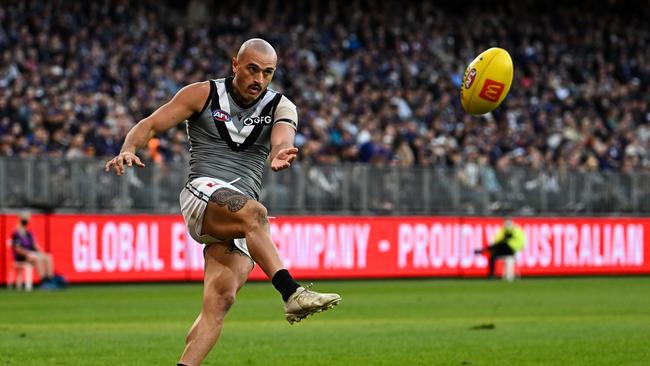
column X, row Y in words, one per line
column 120, row 248
column 349, row 247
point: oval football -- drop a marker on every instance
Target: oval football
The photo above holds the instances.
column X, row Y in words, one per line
column 486, row 81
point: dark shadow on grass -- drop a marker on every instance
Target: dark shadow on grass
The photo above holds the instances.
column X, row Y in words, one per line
column 486, row 326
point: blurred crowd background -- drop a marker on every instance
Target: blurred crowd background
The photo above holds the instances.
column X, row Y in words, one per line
column 375, row 82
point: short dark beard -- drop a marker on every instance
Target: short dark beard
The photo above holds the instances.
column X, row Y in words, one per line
column 239, row 99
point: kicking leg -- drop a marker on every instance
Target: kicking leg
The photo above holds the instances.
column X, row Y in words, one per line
column 226, row 271
column 230, row 215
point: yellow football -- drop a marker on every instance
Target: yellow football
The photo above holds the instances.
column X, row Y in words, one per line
column 487, row 81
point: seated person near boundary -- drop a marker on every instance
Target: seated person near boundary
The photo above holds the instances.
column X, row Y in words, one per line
column 508, row 241
column 25, row 249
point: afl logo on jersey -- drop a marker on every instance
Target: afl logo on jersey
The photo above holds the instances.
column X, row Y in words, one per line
column 266, row 120
column 221, row 115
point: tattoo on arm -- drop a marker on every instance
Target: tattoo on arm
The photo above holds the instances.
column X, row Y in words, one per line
column 233, row 199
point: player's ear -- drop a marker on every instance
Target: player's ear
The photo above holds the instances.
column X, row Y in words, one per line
column 234, row 65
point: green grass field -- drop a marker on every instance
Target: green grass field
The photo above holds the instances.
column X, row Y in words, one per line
column 578, row 321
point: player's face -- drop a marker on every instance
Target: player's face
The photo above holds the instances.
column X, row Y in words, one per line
column 253, row 74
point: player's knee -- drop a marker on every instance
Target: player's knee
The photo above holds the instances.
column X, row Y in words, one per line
column 225, row 301
column 219, row 303
column 255, row 216
column 220, row 297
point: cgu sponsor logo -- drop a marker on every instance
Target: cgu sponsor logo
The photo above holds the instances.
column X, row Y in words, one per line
column 221, row 115
column 469, row 79
column 249, row 121
column 492, row 90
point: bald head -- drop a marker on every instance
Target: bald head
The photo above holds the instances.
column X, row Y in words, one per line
column 257, row 45
column 253, row 67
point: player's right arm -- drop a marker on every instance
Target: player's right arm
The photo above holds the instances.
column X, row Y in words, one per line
column 184, row 104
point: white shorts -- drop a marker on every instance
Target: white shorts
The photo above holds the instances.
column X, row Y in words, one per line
column 194, row 200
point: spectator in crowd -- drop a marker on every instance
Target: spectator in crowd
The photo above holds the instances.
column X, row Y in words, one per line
column 374, row 80
column 25, row 249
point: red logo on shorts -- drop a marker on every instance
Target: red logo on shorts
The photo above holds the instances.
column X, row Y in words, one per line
column 492, row 90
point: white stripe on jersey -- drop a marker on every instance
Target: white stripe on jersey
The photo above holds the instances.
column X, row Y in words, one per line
column 224, row 104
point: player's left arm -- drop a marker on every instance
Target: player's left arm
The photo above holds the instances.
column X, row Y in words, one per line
column 283, row 133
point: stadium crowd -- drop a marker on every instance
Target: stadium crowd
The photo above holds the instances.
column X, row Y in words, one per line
column 375, row 82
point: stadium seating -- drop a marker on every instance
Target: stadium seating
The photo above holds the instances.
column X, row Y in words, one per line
column 71, row 86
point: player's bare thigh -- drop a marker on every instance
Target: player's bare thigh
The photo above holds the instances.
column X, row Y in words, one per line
column 229, row 213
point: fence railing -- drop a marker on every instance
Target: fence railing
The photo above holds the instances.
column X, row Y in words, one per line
column 82, row 185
